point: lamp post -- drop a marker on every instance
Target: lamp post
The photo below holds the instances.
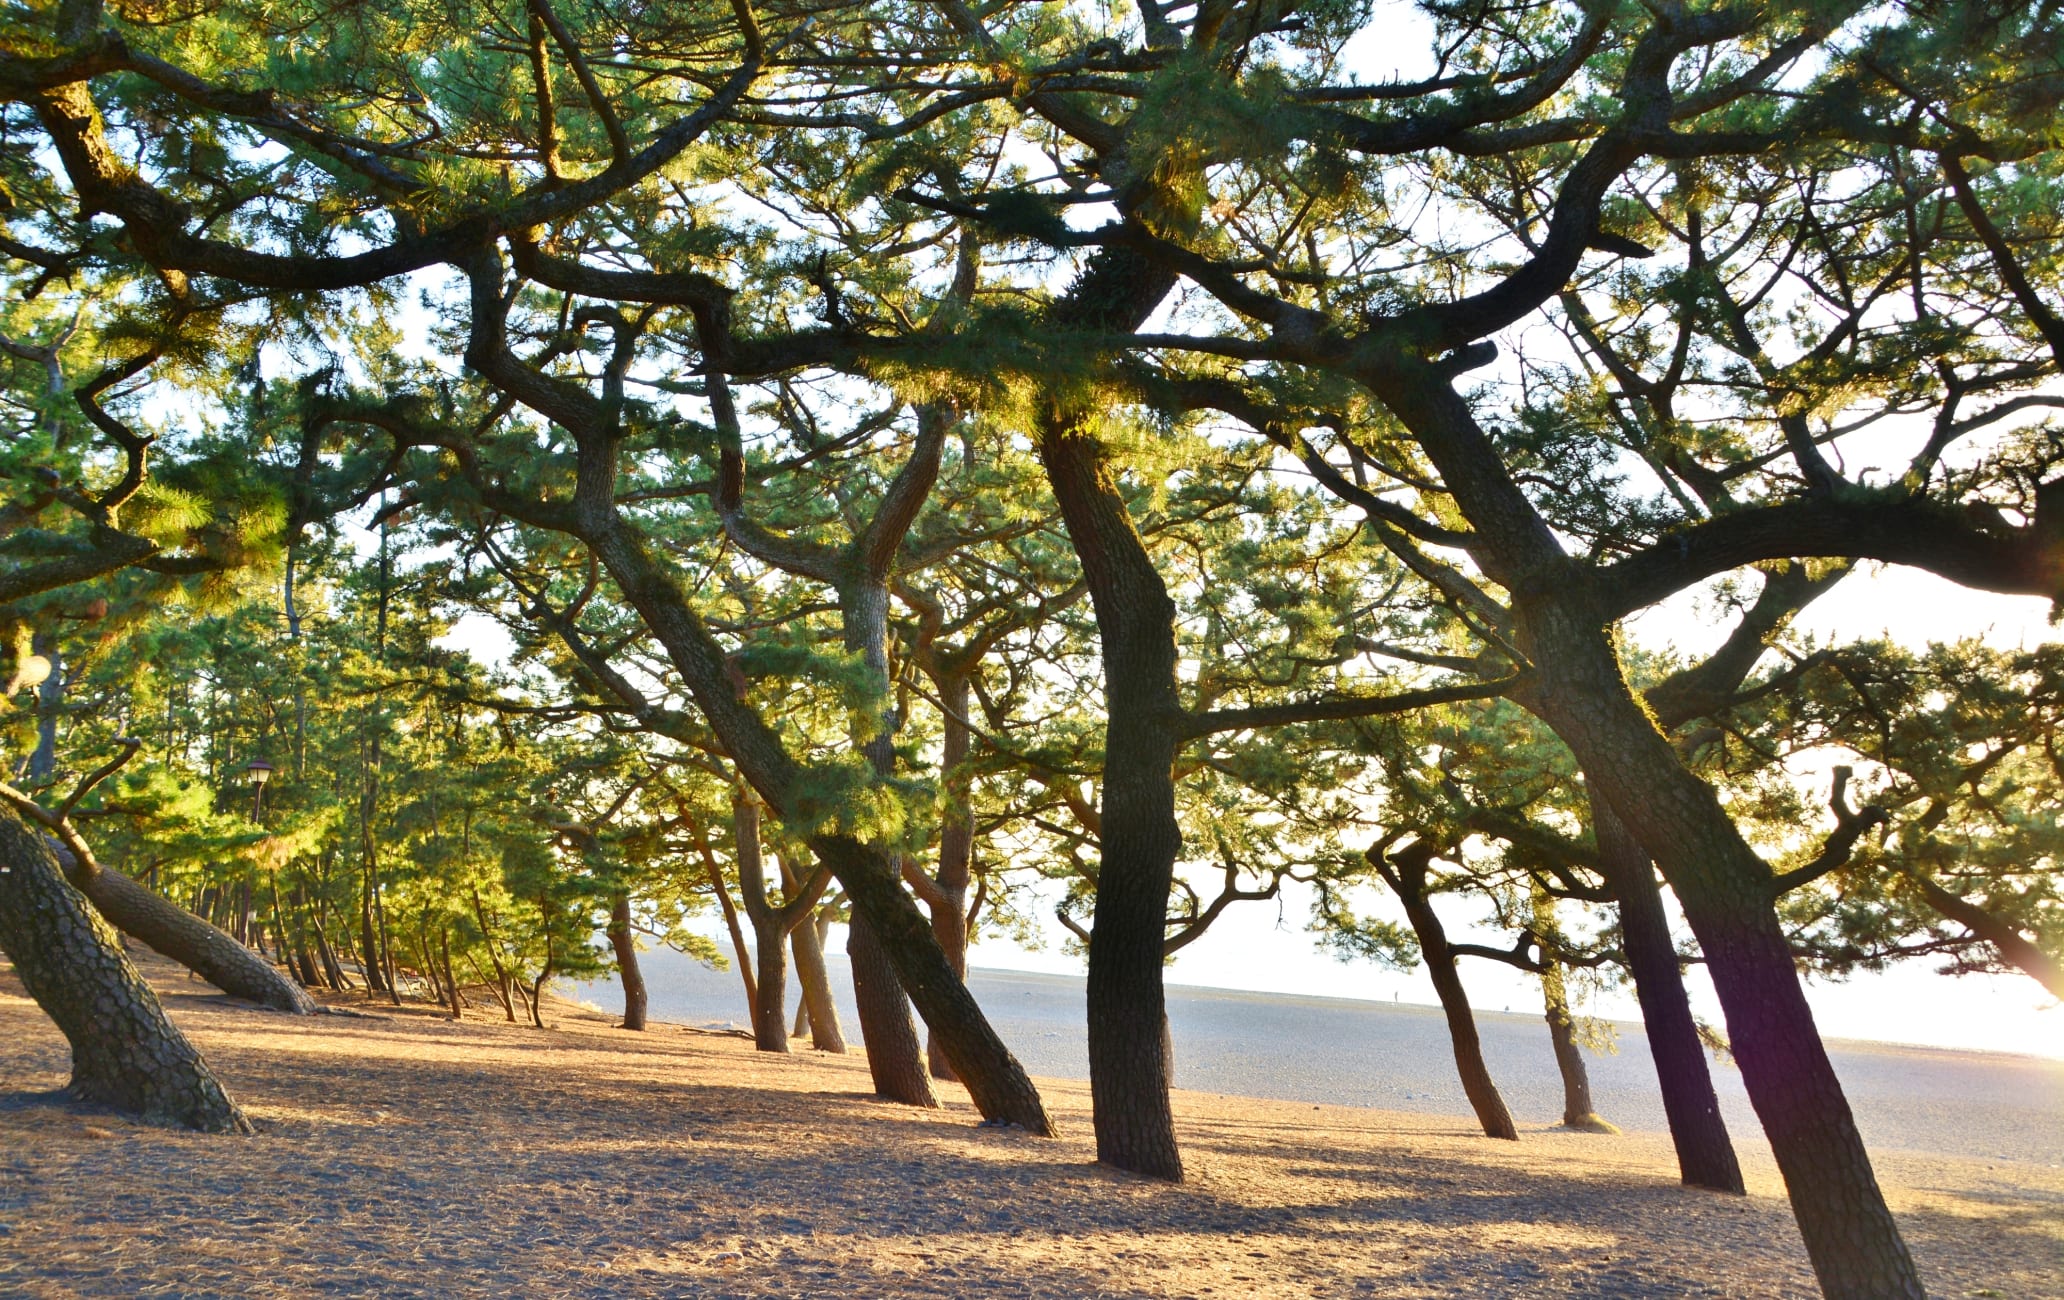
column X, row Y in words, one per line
column 261, row 772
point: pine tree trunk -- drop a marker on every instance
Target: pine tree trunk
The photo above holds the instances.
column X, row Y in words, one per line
column 1408, row 878
column 451, row 978
column 1577, row 686
column 739, row 951
column 333, row 970
column 894, row 1056
column 1705, row 1153
column 770, row 933
column 886, row 1032
column 1578, row 1111
column 504, row 982
column 948, row 911
column 125, row 1052
column 947, row 901
column 369, row 947
column 389, row 970
column 626, row 945
column 177, row 933
column 995, row 1081
column 1726, row 893
column 1129, row 1070
column 816, row 1011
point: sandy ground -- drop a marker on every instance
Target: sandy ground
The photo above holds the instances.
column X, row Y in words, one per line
column 410, row 1156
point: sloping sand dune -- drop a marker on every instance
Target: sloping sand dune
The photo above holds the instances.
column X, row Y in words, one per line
column 409, row 1156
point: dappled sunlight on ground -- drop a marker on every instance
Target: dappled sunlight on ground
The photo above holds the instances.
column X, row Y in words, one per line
column 409, row 1155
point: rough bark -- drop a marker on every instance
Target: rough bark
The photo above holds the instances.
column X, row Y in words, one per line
column 893, row 1060
column 625, row 945
column 1705, row 1154
column 996, row 1082
column 173, row 931
column 1562, row 620
column 1725, row 890
column 894, row 1057
column 1406, row 871
column 1129, row 1071
column 126, row 1053
column 945, row 893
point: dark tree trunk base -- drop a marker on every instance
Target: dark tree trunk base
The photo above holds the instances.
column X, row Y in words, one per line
column 126, row 1053
column 1705, row 1153
column 893, row 1058
column 626, row 948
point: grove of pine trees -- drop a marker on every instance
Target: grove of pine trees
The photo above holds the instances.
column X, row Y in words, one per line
column 925, row 458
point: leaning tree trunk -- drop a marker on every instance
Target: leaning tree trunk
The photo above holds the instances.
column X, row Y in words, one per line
column 1578, row 1112
column 817, row 1012
column 996, row 1081
column 1578, row 686
column 173, row 931
column 627, row 968
column 125, row 1052
column 1705, row 1154
column 893, row 1059
column 1727, row 895
column 894, row 1056
column 946, row 896
column 1409, row 880
column 715, row 876
column 333, row 970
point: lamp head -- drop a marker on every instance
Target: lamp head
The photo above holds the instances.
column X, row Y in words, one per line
column 260, row 770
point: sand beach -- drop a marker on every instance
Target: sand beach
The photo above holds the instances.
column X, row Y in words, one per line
column 402, row 1154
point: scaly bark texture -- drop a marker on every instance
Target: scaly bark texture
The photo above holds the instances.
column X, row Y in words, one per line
column 893, row 1059
column 171, row 930
column 1705, row 1153
column 1129, row 1067
column 125, row 1052
column 1726, row 892
column 995, row 1080
column 1129, row 1072
column 1563, row 616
